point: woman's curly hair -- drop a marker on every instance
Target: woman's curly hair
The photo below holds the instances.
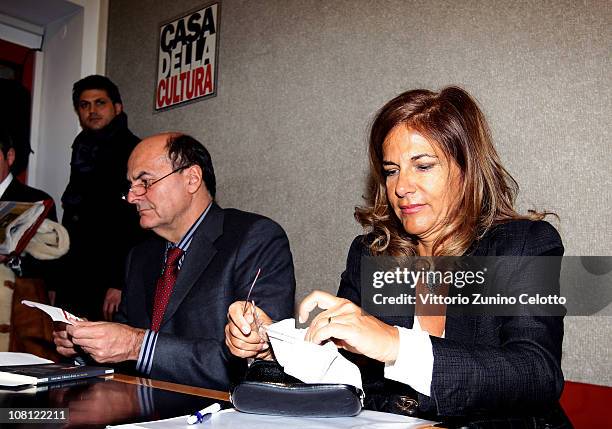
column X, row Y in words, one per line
column 451, row 120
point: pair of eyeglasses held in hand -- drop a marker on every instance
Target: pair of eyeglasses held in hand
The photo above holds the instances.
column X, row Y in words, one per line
column 261, row 328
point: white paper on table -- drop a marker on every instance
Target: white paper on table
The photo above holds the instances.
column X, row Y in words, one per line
column 309, row 362
column 14, row 358
column 231, row 419
column 56, row 313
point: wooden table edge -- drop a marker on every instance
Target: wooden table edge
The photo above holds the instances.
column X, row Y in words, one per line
column 173, row 387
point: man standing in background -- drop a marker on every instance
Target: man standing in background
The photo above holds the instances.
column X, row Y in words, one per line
column 102, row 227
column 30, row 273
column 11, row 189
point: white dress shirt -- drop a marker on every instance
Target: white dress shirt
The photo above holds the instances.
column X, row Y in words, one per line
column 414, row 363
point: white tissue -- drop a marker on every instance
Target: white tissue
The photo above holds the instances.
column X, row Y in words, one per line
column 309, row 362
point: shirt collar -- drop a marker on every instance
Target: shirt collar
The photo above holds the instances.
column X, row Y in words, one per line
column 5, row 183
column 184, row 242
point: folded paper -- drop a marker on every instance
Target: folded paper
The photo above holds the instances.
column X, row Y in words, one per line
column 56, row 314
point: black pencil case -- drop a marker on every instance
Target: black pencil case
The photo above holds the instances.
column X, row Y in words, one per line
column 267, row 389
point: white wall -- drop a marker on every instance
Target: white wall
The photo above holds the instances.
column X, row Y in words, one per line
column 95, row 21
column 74, row 47
column 58, row 124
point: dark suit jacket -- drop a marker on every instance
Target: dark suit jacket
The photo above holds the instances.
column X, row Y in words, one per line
column 102, row 227
column 484, row 363
column 17, row 191
column 31, row 267
column 227, row 249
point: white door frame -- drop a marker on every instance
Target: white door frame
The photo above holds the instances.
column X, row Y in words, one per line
column 93, row 61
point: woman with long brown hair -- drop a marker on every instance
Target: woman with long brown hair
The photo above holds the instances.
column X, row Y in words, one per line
column 438, row 188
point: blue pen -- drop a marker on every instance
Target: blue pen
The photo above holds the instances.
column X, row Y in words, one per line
column 203, row 415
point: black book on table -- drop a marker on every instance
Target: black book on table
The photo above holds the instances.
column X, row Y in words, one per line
column 20, row 375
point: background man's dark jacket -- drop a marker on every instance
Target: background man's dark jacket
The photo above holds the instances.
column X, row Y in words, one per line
column 101, row 225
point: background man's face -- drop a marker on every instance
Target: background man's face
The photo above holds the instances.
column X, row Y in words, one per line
column 96, row 110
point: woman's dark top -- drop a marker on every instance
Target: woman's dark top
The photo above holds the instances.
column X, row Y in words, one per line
column 485, row 362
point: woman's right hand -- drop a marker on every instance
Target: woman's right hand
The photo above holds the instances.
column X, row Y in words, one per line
column 242, row 333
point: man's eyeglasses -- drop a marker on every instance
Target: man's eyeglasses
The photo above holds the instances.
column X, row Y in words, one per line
column 141, row 188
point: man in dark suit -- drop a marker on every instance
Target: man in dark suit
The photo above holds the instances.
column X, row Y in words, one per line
column 11, row 189
column 172, row 326
column 17, row 191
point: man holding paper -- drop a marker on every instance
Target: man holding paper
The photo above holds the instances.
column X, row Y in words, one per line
column 180, row 284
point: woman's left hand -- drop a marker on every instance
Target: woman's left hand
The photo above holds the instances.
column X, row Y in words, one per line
column 348, row 327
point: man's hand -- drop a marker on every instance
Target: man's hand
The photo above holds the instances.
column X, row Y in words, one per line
column 242, row 334
column 111, row 303
column 107, row 342
column 63, row 342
